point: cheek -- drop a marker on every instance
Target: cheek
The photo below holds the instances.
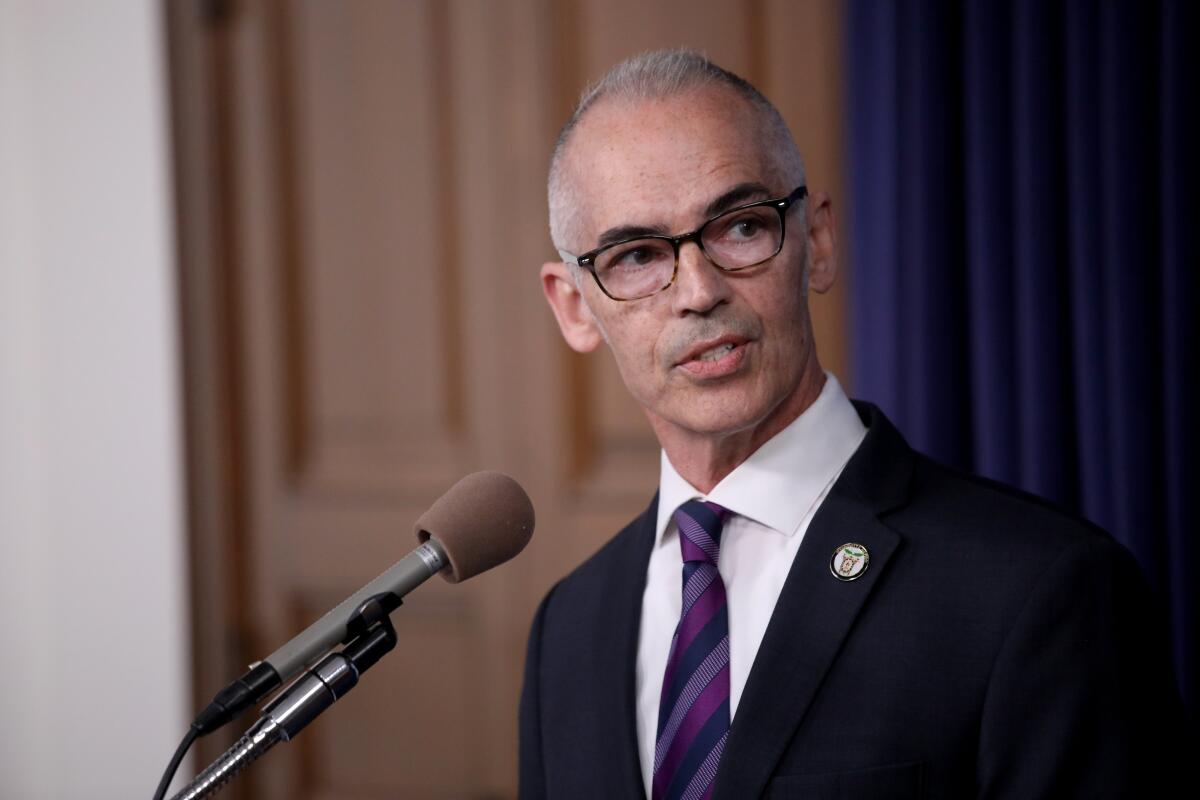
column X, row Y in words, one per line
column 785, row 317
column 633, row 348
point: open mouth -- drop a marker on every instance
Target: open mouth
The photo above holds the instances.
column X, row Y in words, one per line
column 715, row 360
column 716, row 353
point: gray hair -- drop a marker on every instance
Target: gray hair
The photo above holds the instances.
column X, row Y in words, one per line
column 650, row 76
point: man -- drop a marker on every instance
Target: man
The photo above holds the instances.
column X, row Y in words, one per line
column 807, row 608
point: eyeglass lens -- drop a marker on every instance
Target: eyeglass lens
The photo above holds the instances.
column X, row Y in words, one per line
column 739, row 239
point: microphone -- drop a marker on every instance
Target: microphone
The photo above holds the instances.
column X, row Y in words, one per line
column 479, row 523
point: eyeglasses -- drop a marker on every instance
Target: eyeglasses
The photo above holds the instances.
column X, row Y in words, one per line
column 736, row 239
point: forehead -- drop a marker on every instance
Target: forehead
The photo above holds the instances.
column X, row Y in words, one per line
column 659, row 162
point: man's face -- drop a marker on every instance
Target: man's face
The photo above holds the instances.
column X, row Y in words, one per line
column 716, row 353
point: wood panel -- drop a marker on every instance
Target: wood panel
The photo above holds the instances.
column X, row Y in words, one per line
column 363, row 80
column 363, row 215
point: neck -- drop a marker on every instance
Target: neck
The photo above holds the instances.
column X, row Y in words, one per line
column 704, row 459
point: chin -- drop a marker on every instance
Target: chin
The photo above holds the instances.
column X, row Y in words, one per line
column 722, row 418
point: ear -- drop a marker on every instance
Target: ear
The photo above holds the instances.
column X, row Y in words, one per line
column 822, row 243
column 575, row 319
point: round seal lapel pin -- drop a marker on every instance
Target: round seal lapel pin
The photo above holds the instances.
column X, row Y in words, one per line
column 849, row 561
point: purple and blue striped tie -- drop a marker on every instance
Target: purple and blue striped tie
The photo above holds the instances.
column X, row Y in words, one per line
column 693, row 713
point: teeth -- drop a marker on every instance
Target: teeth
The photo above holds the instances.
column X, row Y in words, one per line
column 715, row 353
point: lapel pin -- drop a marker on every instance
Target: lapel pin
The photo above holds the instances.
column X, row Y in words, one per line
column 849, row 561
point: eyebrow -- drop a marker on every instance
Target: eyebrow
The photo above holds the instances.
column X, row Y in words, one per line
column 739, row 195
column 623, row 232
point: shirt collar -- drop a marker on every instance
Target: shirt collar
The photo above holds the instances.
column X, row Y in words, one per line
column 778, row 484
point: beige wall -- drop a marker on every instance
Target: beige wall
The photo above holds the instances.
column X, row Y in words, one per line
column 92, row 590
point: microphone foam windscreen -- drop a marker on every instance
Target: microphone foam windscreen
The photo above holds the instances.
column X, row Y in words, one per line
column 482, row 521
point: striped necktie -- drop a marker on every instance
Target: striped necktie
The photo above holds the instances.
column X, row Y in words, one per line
column 693, row 713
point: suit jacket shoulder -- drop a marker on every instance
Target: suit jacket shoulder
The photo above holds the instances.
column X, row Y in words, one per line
column 1002, row 537
column 578, row 725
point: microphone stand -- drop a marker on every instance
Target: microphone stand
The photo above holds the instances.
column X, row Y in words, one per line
column 310, row 694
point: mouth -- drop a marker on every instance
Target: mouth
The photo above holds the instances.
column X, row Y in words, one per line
column 715, row 358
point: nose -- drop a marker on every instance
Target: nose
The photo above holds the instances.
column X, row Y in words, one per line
column 700, row 285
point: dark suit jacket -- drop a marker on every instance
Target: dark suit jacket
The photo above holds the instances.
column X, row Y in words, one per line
column 994, row 647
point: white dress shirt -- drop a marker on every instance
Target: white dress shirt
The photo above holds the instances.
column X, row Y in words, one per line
column 772, row 496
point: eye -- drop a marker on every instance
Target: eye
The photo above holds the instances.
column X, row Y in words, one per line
column 634, row 257
column 740, row 228
column 745, row 228
column 637, row 256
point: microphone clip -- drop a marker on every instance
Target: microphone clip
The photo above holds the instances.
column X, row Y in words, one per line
column 369, row 631
column 371, row 637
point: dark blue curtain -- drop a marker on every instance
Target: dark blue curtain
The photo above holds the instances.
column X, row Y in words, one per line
column 1023, row 256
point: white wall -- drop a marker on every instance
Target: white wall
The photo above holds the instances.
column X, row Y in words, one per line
column 92, row 593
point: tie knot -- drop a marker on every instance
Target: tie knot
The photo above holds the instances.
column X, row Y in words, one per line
column 699, row 523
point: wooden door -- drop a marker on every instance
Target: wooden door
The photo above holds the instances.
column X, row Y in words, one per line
column 362, row 216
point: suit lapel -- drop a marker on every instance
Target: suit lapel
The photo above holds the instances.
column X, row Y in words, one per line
column 815, row 611
column 614, row 675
